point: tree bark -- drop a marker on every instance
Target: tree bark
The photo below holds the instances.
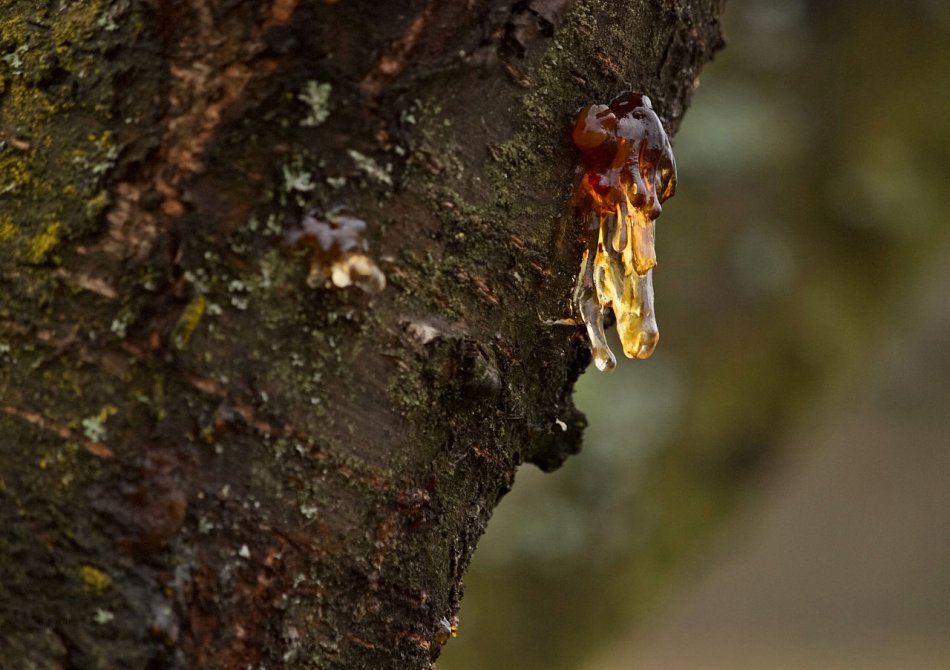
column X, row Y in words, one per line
column 207, row 463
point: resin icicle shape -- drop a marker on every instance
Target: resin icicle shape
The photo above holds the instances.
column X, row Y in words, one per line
column 629, row 172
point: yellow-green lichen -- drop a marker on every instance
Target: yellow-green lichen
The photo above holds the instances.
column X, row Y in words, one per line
column 76, row 22
column 94, row 578
column 7, row 228
column 27, row 109
column 58, row 100
column 188, row 321
column 42, row 247
column 60, row 461
column 97, row 204
column 14, row 174
column 13, row 29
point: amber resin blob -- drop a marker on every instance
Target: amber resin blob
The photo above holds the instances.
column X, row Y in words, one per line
column 628, row 172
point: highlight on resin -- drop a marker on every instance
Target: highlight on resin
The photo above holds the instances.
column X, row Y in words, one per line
column 339, row 253
column 628, row 172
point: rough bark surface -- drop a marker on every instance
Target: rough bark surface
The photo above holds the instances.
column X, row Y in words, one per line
column 206, row 463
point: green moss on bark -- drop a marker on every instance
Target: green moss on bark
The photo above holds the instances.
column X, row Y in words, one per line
column 58, row 110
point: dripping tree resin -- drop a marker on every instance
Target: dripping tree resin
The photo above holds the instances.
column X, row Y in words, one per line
column 628, row 172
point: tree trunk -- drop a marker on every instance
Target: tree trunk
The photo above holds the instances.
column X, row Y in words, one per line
column 205, row 461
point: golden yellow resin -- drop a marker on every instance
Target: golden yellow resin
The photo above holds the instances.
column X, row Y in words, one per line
column 628, row 172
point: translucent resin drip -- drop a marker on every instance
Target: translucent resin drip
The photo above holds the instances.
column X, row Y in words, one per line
column 629, row 172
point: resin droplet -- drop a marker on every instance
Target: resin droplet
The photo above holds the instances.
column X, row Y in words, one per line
column 339, row 254
column 628, row 172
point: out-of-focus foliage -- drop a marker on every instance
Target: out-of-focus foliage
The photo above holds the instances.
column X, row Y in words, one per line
column 814, row 166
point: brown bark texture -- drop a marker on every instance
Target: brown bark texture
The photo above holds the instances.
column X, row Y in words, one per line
column 204, row 461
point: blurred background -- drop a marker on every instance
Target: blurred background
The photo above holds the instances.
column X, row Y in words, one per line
column 772, row 488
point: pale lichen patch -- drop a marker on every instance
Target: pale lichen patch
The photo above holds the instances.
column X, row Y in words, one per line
column 316, row 97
